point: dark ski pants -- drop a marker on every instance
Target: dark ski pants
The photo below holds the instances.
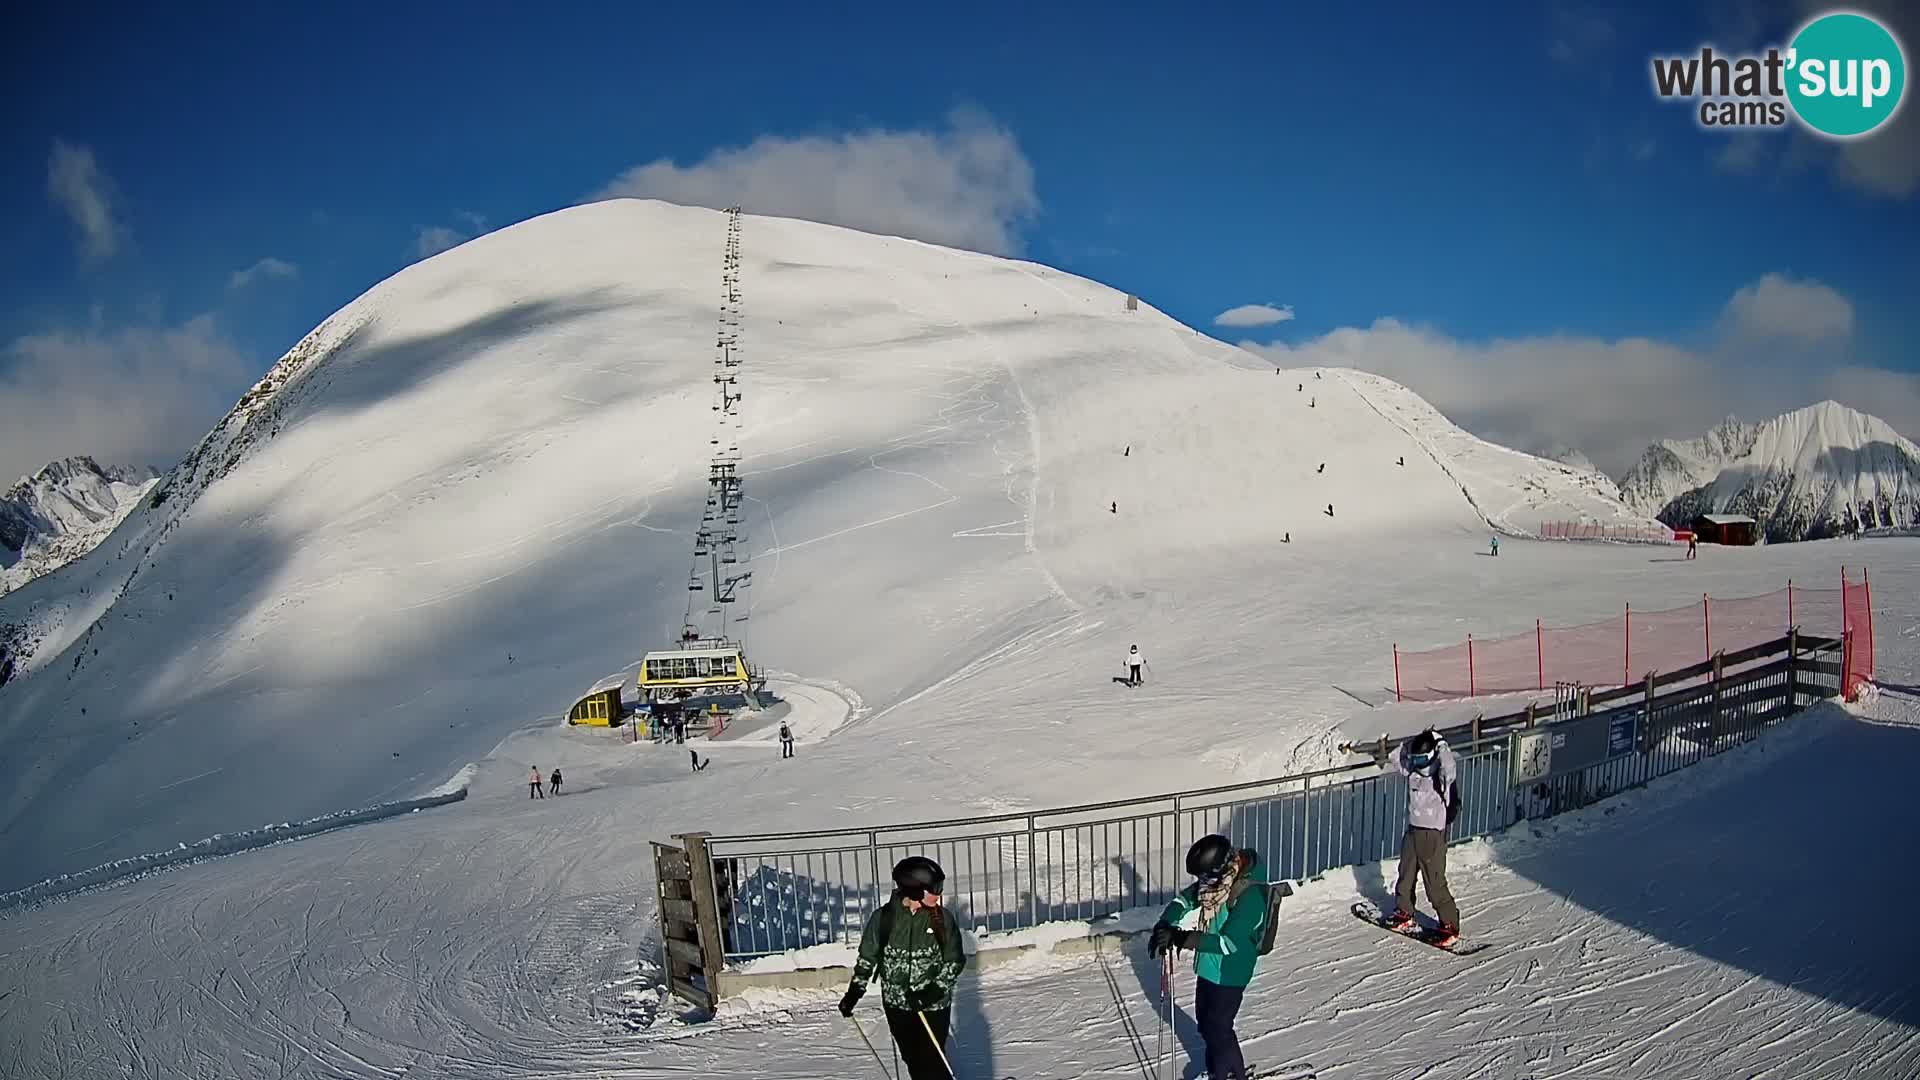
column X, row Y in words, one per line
column 1133, row 675
column 534, row 789
column 920, row 1056
column 1214, row 1009
column 786, row 748
column 1424, row 852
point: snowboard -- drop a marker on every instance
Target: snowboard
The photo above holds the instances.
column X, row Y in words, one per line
column 1369, row 914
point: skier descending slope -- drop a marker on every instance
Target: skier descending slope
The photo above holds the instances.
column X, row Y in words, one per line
column 1433, row 798
column 912, row 944
column 1220, row 917
column 1135, row 661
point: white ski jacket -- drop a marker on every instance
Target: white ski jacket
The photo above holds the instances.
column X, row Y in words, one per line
column 1136, row 658
column 1427, row 792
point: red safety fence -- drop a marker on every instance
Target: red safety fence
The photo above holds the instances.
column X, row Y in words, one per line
column 1591, row 530
column 1614, row 652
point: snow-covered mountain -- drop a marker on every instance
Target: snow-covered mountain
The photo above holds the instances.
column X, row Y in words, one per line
column 1807, row 474
column 471, row 493
column 61, row 512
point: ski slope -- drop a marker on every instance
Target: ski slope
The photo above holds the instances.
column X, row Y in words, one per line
column 1701, row 928
column 470, row 494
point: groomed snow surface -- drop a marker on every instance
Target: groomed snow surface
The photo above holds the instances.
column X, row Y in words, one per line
column 503, row 457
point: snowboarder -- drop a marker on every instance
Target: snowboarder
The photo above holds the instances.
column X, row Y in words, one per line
column 554, row 783
column 786, row 740
column 534, row 782
column 914, row 947
column 697, row 763
column 1114, row 508
column 1135, row 661
column 1494, row 546
column 1433, row 799
column 1221, row 918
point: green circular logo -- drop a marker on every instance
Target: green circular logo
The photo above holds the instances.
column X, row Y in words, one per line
column 1845, row 74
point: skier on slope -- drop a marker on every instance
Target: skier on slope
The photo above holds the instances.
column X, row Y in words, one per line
column 786, row 740
column 914, row 947
column 1135, row 661
column 1220, row 917
column 534, row 784
column 1433, row 798
column 1495, row 545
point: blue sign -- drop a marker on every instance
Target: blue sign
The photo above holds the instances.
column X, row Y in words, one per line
column 1620, row 733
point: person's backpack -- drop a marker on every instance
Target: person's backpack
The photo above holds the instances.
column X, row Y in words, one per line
column 1276, row 891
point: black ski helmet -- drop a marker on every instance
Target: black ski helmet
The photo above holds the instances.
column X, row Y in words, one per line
column 1424, row 742
column 916, row 876
column 1209, row 857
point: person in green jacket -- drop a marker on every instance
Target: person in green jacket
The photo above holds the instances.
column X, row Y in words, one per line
column 914, row 947
column 1220, row 917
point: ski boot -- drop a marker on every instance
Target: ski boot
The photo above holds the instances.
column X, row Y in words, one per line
column 1400, row 922
column 1447, row 936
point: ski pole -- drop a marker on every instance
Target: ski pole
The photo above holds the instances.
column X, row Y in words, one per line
column 936, row 1043
column 877, row 1060
column 1160, row 1040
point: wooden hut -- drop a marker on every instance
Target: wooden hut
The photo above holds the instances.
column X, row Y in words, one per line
column 1737, row 529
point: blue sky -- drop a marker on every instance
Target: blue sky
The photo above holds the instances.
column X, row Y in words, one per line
column 1504, row 189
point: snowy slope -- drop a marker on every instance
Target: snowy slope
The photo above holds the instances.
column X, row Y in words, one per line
column 1806, row 474
column 469, row 495
column 61, row 512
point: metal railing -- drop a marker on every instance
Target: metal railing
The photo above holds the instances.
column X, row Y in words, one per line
column 783, row 891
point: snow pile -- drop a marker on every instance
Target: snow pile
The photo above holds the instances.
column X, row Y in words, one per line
column 470, row 494
column 1810, row 473
column 53, row 517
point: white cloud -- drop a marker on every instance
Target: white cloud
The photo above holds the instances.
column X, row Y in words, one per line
column 1742, row 155
column 968, row 186
column 431, row 240
column 1780, row 307
column 268, row 267
column 76, row 182
column 1577, row 33
column 1611, row 398
column 134, row 395
column 1254, row 315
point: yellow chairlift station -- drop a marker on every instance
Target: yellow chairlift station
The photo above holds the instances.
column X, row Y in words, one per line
column 701, row 668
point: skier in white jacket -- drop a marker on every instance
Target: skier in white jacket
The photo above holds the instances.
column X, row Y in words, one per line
column 1432, row 800
column 1135, row 661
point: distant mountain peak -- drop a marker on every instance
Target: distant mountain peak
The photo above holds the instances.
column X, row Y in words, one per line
column 1816, row 471
column 61, row 512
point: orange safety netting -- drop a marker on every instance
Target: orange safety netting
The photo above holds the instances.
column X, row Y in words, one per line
column 1627, row 648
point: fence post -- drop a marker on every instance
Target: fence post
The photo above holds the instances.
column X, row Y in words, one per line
column 1790, row 621
column 1033, row 873
column 1179, row 850
column 706, row 908
column 1470, row 685
column 1476, row 729
column 1539, row 659
column 1717, row 723
column 1306, row 826
column 1706, row 613
column 873, row 860
column 1626, row 660
column 1396, row 673
column 1647, row 725
column 1530, row 708
column 1793, row 668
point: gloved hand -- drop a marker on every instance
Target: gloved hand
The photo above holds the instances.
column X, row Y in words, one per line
column 853, row 998
column 1167, row 938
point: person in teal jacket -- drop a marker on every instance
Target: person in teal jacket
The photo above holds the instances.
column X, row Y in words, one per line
column 1221, row 918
